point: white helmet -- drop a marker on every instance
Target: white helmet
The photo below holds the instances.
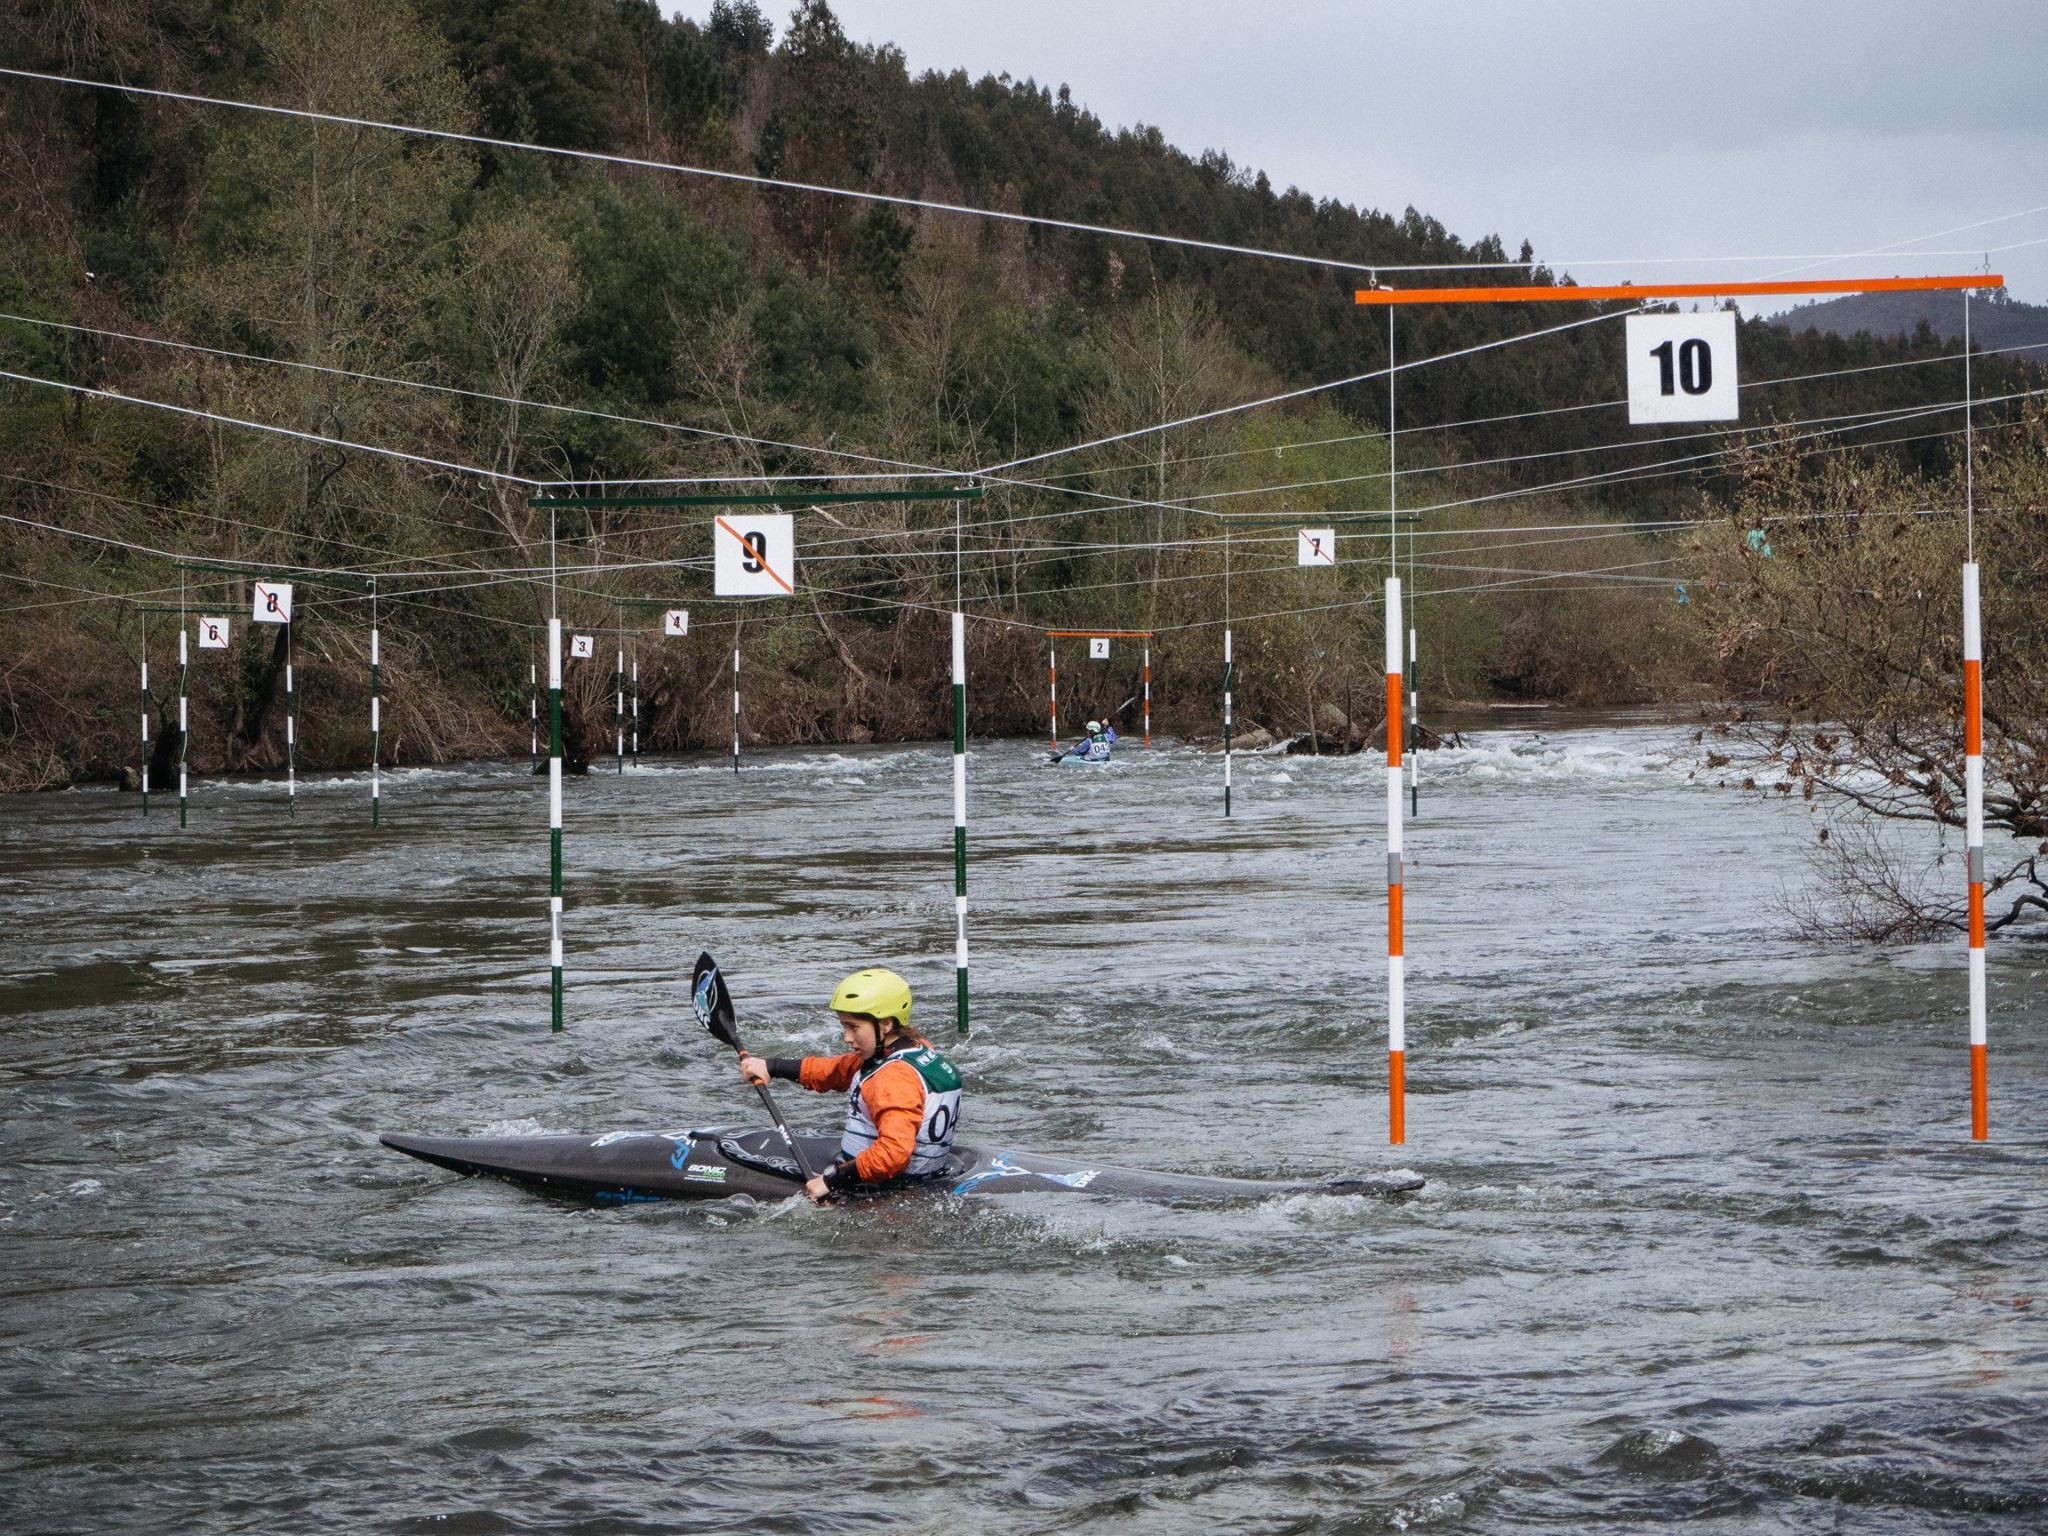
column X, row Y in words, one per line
column 1094, row 726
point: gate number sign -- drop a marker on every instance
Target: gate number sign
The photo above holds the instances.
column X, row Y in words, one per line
column 1317, row 546
column 1681, row 368
column 1098, row 648
column 273, row 603
column 754, row 556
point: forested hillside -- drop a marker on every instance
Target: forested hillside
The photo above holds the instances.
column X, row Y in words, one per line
column 486, row 308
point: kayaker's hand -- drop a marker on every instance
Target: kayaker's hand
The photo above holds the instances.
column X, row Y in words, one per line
column 816, row 1189
column 753, row 1068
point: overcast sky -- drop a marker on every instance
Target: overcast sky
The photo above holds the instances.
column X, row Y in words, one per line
column 1600, row 130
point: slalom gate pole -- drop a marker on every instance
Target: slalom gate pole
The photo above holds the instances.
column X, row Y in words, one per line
column 145, row 715
column 1148, row 696
column 376, row 719
column 1397, row 1128
column 1226, row 724
column 735, row 706
column 184, row 717
column 1973, row 762
column 1052, row 678
column 533, row 712
column 555, row 821
column 960, row 823
column 291, row 727
column 1414, row 716
column 636, row 703
column 1226, row 672
column 619, row 704
column 1973, row 839
column 1397, row 1000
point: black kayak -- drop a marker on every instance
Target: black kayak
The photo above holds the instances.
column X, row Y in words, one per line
column 722, row 1161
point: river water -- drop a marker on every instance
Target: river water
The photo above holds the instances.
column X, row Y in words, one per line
column 1704, row 1238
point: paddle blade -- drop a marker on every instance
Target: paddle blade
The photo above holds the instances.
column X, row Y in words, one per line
column 712, row 1002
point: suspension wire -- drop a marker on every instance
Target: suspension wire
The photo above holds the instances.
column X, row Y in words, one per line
column 909, row 470
column 257, row 426
column 1311, row 389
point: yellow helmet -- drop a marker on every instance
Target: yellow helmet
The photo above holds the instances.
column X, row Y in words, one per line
column 875, row 994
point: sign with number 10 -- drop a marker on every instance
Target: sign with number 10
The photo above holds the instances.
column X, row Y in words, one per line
column 1681, row 368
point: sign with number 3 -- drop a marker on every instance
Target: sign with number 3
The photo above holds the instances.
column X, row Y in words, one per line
column 1681, row 368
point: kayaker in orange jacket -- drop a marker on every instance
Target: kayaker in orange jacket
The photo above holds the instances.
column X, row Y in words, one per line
column 902, row 1096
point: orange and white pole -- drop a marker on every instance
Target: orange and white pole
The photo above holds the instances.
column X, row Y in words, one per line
column 1973, row 844
column 1397, row 1030
column 1052, row 682
column 1148, row 697
column 1973, row 760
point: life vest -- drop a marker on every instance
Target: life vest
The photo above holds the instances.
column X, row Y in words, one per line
column 938, row 1085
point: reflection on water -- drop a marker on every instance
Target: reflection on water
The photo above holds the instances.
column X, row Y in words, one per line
column 1704, row 1237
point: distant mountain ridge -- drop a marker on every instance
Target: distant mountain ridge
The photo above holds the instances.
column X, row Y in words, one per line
column 1996, row 321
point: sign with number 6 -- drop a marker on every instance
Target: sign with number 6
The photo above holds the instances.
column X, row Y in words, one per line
column 1681, row 368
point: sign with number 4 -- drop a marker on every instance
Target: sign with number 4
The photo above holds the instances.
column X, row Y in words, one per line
column 1681, row 368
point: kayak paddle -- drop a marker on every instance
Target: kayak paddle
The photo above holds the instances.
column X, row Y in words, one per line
column 714, row 1011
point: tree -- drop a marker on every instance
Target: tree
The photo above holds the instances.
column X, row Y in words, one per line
column 1834, row 599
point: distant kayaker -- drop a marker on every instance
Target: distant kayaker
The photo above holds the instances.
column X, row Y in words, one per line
column 1094, row 745
column 902, row 1096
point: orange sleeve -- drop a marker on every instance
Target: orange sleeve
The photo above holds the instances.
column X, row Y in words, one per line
column 827, row 1074
column 895, row 1099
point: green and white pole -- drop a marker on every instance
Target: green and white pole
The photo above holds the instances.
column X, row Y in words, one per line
column 532, row 712
column 555, row 818
column 1226, row 674
column 291, row 727
column 145, row 717
column 636, row 703
column 376, row 726
column 184, row 716
column 1226, row 722
column 960, row 823
column 735, row 707
column 619, row 705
